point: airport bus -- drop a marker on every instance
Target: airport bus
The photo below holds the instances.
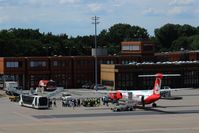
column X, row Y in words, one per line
column 34, row 101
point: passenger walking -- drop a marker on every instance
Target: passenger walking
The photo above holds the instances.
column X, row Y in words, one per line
column 50, row 104
column 73, row 104
column 78, row 102
column 105, row 100
column 54, row 103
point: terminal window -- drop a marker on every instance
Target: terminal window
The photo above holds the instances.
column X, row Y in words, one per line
column 37, row 64
column 131, row 47
column 14, row 64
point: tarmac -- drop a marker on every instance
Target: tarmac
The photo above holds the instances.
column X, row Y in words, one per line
column 177, row 116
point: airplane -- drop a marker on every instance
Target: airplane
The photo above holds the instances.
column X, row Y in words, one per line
column 143, row 97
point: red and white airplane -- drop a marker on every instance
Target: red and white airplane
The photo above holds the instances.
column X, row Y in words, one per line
column 143, row 97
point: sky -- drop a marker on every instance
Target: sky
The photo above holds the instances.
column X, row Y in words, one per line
column 74, row 17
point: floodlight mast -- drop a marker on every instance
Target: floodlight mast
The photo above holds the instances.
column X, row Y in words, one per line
column 95, row 19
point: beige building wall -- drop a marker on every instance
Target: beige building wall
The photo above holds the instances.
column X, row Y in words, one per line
column 1, row 65
column 108, row 74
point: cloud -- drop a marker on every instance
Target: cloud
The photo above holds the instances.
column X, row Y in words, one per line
column 196, row 11
column 39, row 2
column 177, row 10
column 118, row 3
column 3, row 19
column 52, row 14
column 94, row 7
column 181, row 2
column 68, row 1
column 152, row 12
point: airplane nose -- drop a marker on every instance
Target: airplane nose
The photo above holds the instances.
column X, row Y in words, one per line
column 116, row 95
column 119, row 95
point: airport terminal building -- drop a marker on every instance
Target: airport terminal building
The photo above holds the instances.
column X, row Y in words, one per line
column 115, row 72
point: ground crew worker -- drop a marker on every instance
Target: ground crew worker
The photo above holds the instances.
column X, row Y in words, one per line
column 54, row 103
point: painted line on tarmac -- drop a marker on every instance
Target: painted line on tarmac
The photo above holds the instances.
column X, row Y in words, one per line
column 130, row 113
column 147, row 130
column 94, row 115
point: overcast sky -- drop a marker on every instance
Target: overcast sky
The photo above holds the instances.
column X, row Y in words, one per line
column 73, row 17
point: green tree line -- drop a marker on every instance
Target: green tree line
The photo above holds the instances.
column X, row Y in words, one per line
column 31, row 42
column 174, row 37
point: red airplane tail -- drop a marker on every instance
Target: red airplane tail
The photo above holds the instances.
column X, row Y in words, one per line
column 157, row 85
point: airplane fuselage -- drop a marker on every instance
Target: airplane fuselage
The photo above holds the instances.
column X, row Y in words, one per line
column 137, row 95
column 143, row 96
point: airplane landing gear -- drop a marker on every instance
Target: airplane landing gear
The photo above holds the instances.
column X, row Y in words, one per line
column 154, row 105
column 142, row 100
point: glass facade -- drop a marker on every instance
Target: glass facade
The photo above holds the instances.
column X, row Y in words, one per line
column 125, row 80
column 59, row 63
column 13, row 64
column 38, row 64
column 191, row 78
column 60, row 79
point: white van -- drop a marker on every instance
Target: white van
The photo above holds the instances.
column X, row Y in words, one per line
column 10, row 86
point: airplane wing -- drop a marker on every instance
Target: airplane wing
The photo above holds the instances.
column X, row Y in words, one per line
column 168, row 90
column 105, row 91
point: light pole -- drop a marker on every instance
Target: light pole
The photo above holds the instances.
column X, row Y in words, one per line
column 95, row 19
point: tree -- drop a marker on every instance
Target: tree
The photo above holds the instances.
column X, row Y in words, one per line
column 30, row 42
column 113, row 37
column 166, row 35
column 194, row 42
column 172, row 36
column 182, row 42
column 187, row 30
column 103, row 38
column 120, row 32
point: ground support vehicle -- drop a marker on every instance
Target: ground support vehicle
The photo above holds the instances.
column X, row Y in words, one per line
column 69, row 102
column 123, row 108
column 11, row 88
column 14, row 98
column 34, row 101
column 48, row 85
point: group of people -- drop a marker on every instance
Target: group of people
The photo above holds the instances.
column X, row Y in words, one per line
column 52, row 102
column 90, row 102
column 76, row 102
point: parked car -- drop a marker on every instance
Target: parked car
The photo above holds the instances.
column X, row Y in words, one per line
column 99, row 87
column 86, row 86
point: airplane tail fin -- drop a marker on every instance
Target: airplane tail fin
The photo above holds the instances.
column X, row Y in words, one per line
column 158, row 80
